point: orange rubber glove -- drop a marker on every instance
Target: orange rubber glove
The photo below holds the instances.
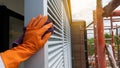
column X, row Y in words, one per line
column 32, row 42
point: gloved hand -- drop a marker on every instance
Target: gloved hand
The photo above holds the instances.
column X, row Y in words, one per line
column 32, row 42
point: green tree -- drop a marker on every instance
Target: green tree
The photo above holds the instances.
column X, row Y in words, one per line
column 117, row 40
column 90, row 46
column 90, row 41
column 107, row 36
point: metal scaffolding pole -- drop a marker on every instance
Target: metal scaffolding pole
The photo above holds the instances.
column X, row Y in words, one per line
column 118, row 46
column 112, row 34
column 100, row 36
column 95, row 38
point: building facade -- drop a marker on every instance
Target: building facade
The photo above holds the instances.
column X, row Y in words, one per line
column 57, row 51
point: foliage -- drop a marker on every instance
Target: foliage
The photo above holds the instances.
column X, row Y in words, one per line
column 117, row 40
column 107, row 35
column 90, row 42
column 90, row 46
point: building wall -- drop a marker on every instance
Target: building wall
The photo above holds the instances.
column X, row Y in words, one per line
column 57, row 51
column 78, row 44
column 15, row 5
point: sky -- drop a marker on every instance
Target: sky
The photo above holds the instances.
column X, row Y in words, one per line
column 83, row 9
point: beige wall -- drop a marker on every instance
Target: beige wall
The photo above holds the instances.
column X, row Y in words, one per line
column 78, row 44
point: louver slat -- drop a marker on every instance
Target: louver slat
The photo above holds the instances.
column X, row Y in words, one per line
column 58, row 44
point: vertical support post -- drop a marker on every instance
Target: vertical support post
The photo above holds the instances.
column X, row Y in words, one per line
column 95, row 38
column 118, row 46
column 100, row 36
column 112, row 34
column 119, row 55
column 86, row 47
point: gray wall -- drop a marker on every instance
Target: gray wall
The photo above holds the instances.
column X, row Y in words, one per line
column 32, row 9
column 15, row 5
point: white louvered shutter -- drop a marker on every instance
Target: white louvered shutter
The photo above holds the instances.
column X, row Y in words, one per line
column 57, row 51
column 59, row 55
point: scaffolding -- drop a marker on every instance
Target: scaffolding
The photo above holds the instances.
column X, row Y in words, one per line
column 99, row 40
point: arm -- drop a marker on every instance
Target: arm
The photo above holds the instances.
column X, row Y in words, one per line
column 32, row 42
